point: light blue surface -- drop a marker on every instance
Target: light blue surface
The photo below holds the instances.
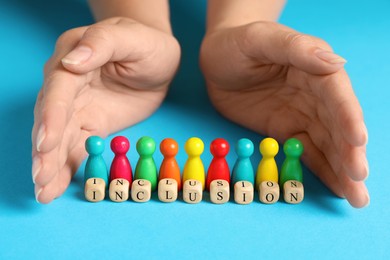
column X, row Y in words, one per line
column 71, row 228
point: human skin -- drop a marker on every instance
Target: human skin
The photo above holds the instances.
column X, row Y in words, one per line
column 287, row 85
column 282, row 83
column 101, row 78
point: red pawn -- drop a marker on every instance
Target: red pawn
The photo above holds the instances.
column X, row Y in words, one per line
column 169, row 167
column 219, row 168
column 120, row 167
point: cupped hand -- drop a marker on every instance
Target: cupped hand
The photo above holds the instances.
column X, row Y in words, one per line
column 101, row 78
column 283, row 84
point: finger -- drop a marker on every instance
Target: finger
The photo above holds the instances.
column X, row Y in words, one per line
column 113, row 40
column 285, row 46
column 60, row 90
column 355, row 163
column 337, row 94
column 57, row 186
column 37, row 120
column 341, row 115
column 51, row 163
column 352, row 158
column 319, row 165
column 355, row 191
column 58, row 83
column 339, row 182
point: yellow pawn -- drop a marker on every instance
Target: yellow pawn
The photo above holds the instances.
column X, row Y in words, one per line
column 194, row 169
column 267, row 169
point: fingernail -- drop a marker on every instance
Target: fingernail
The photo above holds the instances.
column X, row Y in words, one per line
column 367, row 203
column 329, row 57
column 40, row 137
column 36, row 167
column 37, row 192
column 367, row 169
column 365, row 133
column 78, row 55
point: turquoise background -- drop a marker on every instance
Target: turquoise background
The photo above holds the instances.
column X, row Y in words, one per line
column 323, row 226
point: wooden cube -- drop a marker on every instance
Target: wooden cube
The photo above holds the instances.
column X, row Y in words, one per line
column 293, row 192
column 192, row 191
column 167, row 190
column 119, row 190
column 243, row 192
column 219, row 191
column 269, row 192
column 141, row 190
column 95, row 189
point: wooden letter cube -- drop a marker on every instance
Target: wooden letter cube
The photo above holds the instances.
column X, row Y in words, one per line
column 293, row 192
column 119, row 190
column 269, row 192
column 243, row 192
column 192, row 191
column 95, row 189
column 141, row 190
column 167, row 190
column 219, row 191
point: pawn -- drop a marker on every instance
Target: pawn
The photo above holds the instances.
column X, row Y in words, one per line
column 291, row 168
column 219, row 168
column 291, row 177
column 95, row 166
column 243, row 175
column 169, row 167
column 121, row 175
column 146, row 167
column 95, row 173
column 193, row 168
column 243, row 169
column 267, row 169
column 120, row 166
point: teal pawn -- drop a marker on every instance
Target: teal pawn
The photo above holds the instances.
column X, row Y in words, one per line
column 146, row 167
column 243, row 169
column 291, row 168
column 95, row 166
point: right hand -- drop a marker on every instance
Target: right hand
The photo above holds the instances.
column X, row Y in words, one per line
column 280, row 83
column 102, row 78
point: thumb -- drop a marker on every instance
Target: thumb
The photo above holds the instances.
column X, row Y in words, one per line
column 285, row 46
column 102, row 43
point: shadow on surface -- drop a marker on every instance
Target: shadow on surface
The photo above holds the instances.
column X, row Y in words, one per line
column 319, row 196
column 188, row 95
column 16, row 187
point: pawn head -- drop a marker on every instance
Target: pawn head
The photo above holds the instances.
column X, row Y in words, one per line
column 269, row 147
column 244, row 148
column 293, row 147
column 219, row 147
column 194, row 146
column 146, row 146
column 94, row 145
column 169, row 147
column 120, row 145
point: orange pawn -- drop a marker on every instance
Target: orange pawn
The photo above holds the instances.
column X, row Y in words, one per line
column 169, row 167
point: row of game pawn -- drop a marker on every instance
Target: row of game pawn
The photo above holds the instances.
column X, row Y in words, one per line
column 169, row 182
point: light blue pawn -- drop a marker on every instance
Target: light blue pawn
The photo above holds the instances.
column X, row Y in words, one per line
column 95, row 166
column 243, row 169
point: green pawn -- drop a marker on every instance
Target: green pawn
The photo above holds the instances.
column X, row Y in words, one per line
column 95, row 166
column 291, row 168
column 146, row 167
